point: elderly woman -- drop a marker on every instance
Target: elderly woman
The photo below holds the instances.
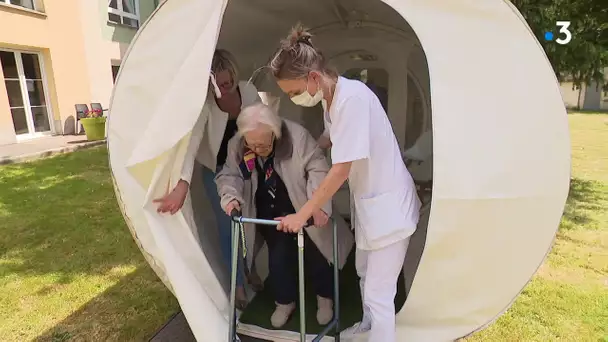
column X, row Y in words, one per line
column 273, row 168
column 208, row 145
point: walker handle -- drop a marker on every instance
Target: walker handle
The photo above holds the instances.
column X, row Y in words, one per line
column 236, row 216
column 235, row 213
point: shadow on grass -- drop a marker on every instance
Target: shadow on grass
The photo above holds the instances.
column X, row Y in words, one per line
column 586, row 199
column 131, row 310
column 59, row 217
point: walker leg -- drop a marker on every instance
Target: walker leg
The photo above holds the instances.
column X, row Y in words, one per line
column 336, row 282
column 335, row 323
column 235, row 254
column 301, row 286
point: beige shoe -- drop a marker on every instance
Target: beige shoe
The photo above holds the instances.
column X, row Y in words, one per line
column 281, row 314
column 325, row 310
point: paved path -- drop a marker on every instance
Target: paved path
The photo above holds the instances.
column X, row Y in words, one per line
column 177, row 330
column 43, row 147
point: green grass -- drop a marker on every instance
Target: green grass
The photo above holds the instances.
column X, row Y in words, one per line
column 69, row 269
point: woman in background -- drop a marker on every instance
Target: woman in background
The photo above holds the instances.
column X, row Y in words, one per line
column 208, row 145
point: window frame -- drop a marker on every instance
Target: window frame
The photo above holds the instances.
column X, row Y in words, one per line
column 24, row 93
column 115, row 74
column 8, row 2
column 124, row 14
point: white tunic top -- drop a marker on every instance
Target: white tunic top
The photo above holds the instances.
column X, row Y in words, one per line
column 208, row 131
column 385, row 201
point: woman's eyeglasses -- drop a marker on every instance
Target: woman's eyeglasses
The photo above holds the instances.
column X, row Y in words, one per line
column 260, row 147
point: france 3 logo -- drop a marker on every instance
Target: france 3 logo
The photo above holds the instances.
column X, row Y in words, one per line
column 564, row 35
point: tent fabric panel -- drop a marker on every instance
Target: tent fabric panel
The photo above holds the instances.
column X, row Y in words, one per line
column 154, row 109
column 470, row 232
column 500, row 145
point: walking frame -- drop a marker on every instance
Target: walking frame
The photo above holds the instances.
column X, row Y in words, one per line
column 239, row 236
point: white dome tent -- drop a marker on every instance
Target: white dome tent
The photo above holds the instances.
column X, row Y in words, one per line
column 501, row 162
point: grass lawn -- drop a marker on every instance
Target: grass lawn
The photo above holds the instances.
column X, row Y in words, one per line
column 69, row 269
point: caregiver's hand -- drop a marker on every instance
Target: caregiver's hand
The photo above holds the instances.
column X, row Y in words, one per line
column 320, row 218
column 291, row 223
column 234, row 204
column 324, row 142
column 173, row 201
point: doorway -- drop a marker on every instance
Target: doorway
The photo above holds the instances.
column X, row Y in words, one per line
column 416, row 113
column 365, row 40
column 376, row 80
column 27, row 93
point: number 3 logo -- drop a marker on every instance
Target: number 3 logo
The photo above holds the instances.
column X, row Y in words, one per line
column 563, row 28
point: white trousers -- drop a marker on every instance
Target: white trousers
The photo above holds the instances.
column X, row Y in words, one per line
column 379, row 271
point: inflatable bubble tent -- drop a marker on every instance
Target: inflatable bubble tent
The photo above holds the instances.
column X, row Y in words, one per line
column 470, row 71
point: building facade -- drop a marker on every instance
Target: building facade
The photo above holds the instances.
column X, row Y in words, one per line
column 588, row 97
column 56, row 54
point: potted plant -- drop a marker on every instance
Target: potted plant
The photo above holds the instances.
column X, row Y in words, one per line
column 94, row 125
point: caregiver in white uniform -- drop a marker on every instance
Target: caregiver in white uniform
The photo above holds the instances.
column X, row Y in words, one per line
column 364, row 150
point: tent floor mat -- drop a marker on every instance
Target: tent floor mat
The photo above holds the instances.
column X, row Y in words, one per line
column 262, row 306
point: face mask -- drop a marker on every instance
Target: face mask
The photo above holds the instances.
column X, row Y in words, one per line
column 307, row 100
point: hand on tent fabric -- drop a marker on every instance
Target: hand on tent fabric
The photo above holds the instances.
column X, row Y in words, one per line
column 173, row 201
column 320, row 218
column 291, row 223
column 234, row 204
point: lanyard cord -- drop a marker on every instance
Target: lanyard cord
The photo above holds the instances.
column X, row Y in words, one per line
column 243, row 241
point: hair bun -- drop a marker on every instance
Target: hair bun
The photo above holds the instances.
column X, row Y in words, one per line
column 298, row 34
column 305, row 40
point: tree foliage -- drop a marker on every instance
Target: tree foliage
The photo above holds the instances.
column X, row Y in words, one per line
column 585, row 57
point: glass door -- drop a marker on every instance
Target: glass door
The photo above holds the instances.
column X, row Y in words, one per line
column 25, row 87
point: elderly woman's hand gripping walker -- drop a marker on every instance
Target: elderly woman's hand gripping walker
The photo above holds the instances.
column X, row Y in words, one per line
column 273, row 168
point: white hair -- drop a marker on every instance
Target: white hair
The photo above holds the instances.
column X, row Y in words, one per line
column 256, row 116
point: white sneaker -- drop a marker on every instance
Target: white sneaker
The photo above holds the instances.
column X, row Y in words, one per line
column 357, row 328
column 281, row 314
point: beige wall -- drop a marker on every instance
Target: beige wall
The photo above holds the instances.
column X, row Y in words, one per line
column 57, row 36
column 591, row 98
column 7, row 132
column 78, row 47
column 99, row 66
column 570, row 96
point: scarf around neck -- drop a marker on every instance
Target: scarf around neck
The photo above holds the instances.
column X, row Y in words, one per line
column 249, row 163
